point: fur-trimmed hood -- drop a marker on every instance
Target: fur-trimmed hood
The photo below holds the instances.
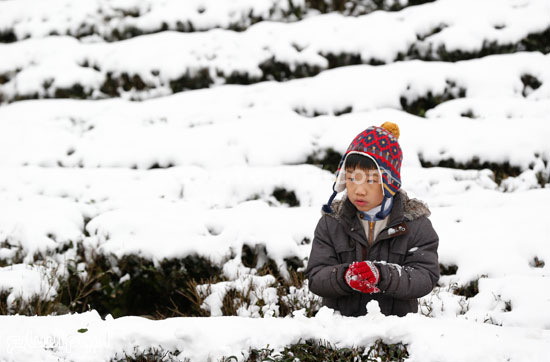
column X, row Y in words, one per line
column 410, row 208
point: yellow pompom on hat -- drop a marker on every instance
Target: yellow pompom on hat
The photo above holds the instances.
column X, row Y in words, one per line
column 382, row 146
column 392, row 128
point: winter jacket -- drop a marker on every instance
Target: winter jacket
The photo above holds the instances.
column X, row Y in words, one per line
column 405, row 252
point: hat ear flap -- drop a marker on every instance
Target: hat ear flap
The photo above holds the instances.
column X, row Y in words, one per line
column 335, row 187
column 341, row 163
column 339, row 184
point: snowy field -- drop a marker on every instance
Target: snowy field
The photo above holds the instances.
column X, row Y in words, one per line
column 164, row 164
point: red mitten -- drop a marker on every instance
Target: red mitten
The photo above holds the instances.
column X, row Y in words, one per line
column 363, row 276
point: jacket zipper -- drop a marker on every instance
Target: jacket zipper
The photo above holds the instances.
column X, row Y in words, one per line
column 369, row 241
column 371, row 233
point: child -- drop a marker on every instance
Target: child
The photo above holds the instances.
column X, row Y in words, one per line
column 374, row 243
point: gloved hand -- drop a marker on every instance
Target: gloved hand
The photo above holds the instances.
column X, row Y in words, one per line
column 363, row 276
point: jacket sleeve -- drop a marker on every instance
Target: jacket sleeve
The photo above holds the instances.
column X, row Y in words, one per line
column 420, row 270
column 324, row 272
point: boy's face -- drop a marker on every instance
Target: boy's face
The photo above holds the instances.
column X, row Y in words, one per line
column 364, row 189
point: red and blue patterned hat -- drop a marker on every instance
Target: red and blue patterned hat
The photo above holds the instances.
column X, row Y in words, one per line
column 381, row 145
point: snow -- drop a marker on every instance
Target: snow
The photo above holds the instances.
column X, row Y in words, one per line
column 29, row 19
column 492, row 107
column 194, row 173
column 23, row 282
column 397, row 267
column 211, row 338
column 38, row 224
column 258, row 287
column 130, row 231
column 88, row 136
column 63, row 61
column 504, row 301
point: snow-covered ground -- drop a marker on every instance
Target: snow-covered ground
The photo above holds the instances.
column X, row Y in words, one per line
column 194, row 173
column 203, row 339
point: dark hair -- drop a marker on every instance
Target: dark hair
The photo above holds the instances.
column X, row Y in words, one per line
column 355, row 160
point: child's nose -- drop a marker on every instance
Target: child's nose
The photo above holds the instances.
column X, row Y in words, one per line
column 361, row 189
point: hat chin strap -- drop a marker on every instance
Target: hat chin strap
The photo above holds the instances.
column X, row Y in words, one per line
column 326, row 207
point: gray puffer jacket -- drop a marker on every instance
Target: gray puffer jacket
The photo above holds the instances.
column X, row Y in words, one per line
column 405, row 252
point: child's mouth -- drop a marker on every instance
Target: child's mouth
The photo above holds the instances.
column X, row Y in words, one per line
column 361, row 203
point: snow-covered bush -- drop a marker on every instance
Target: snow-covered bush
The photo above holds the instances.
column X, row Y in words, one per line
column 62, row 67
column 114, row 21
column 314, row 350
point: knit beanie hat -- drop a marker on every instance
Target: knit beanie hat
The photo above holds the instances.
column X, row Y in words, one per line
column 379, row 144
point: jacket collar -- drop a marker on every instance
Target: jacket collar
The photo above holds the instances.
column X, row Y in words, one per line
column 403, row 209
